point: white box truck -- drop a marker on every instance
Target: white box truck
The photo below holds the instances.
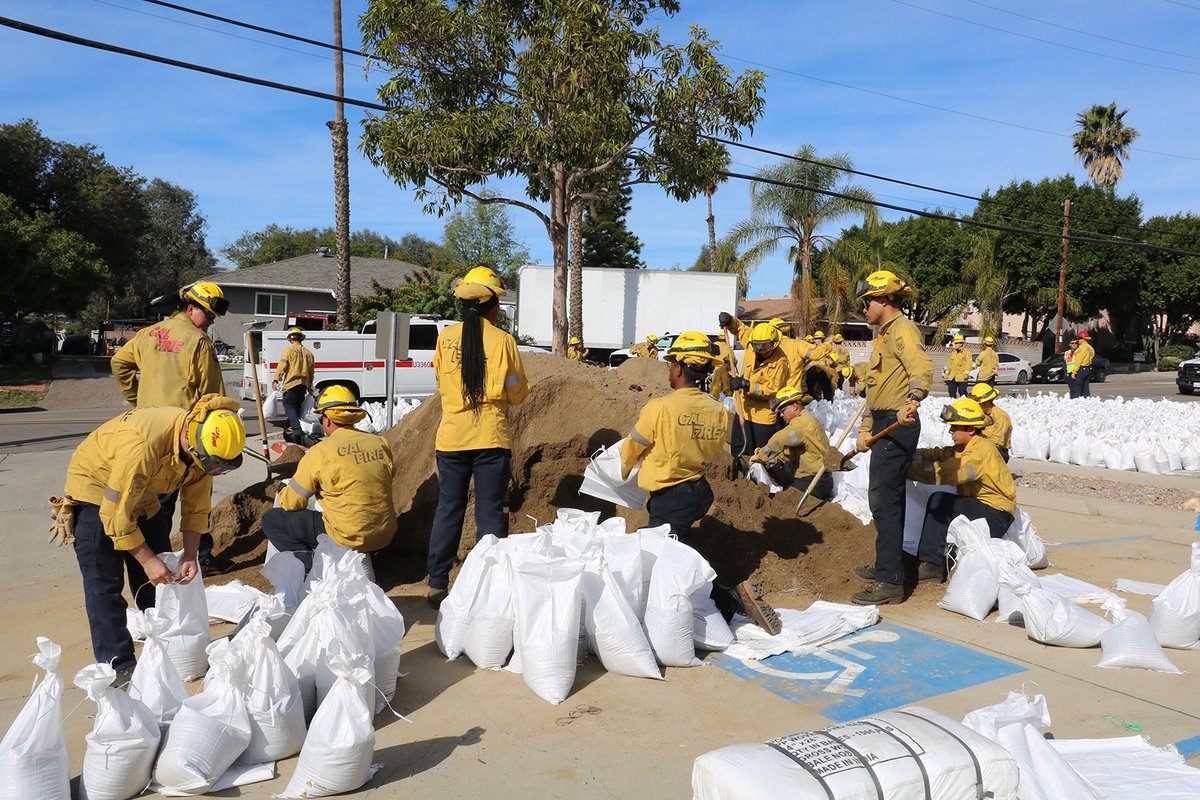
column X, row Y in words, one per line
column 622, row 306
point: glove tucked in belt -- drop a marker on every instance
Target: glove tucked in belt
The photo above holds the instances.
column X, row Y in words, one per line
column 62, row 520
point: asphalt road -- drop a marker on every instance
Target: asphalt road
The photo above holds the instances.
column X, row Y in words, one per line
column 1150, row 385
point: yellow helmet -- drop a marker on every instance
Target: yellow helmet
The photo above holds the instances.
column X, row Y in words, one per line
column 984, row 393
column 883, row 283
column 988, row 340
column 809, row 339
column 206, row 295
column 296, row 333
column 837, row 338
column 215, row 434
column 819, row 335
column 575, row 340
column 480, row 284
column 694, row 349
column 651, row 338
column 958, row 339
column 338, row 403
column 784, row 327
column 764, row 338
column 964, row 413
column 790, row 395
column 847, row 371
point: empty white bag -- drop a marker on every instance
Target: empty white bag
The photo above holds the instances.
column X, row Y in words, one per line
column 271, row 693
column 974, row 585
column 678, row 572
column 1130, row 642
column 185, row 609
column 547, row 597
column 602, row 479
column 613, row 629
column 33, row 754
column 271, row 404
column 1175, row 614
column 336, row 756
column 156, row 682
column 1051, row 619
column 123, row 743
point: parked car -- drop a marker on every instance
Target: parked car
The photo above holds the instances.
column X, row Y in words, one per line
column 1187, row 377
column 1052, row 370
column 1011, row 369
column 619, row 357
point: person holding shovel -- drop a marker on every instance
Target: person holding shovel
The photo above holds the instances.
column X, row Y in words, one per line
column 765, row 371
column 897, row 379
column 793, row 456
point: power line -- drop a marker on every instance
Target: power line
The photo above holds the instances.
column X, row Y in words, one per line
column 1185, row 5
column 961, row 220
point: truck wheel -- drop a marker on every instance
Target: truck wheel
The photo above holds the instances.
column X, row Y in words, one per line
column 1100, row 376
column 1186, row 390
column 1022, row 377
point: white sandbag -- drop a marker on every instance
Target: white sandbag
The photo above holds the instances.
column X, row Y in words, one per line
column 613, row 630
column 1130, row 642
column 678, row 572
column 337, row 753
column 974, row 585
column 1124, row 457
column 385, row 628
column 489, row 638
column 1039, row 445
column 1166, row 456
column 602, row 479
column 1020, row 447
column 286, row 574
column 33, row 754
column 1175, row 614
column 454, row 615
column 1130, row 767
column 306, row 410
column 1023, row 532
column 1014, row 724
column 650, row 541
column 156, row 682
column 547, row 600
column 1189, row 457
column 1080, row 452
column 709, row 628
column 1010, row 561
column 911, row 754
column 1097, row 454
column 335, row 623
column 124, row 740
column 272, row 696
column 207, row 735
column 1060, row 448
column 186, row 611
column 1143, row 458
column 916, row 500
column 623, row 555
column 272, row 404
column 1050, row 619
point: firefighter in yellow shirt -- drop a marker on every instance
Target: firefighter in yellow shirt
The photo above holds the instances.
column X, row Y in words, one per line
column 173, row 363
column 675, row 439
column 896, row 380
column 295, row 376
column 793, row 455
column 988, row 362
column 765, row 371
column 646, row 349
column 958, row 368
column 350, row 473
column 113, row 485
column 575, row 349
column 479, row 376
column 819, row 375
column 999, row 428
column 985, row 486
column 840, row 350
column 796, row 350
column 1084, row 355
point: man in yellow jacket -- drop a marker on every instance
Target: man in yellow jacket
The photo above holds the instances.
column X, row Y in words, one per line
column 985, row 486
column 897, row 379
column 479, row 376
column 177, row 365
column 793, row 456
column 114, row 481
column 765, row 371
column 350, row 473
column 840, row 350
column 958, row 368
column 988, row 362
column 295, row 376
column 675, row 439
column 818, row 377
column 575, row 349
column 1084, row 355
column 999, row 428
column 646, row 349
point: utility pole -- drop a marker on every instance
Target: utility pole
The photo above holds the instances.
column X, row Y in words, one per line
column 1062, row 277
column 341, row 176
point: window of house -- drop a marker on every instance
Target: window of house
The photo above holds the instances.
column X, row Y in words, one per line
column 270, row 305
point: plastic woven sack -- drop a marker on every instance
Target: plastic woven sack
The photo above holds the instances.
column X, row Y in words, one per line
column 974, row 585
column 1175, row 614
column 185, row 609
column 709, row 628
column 454, row 615
column 1011, row 569
column 156, row 682
column 489, row 638
column 1130, row 642
column 1050, row 619
column 33, row 754
column 602, row 479
column 678, row 572
column 1023, row 532
column 547, row 597
column 124, row 740
column 272, row 696
column 614, row 632
column 272, row 404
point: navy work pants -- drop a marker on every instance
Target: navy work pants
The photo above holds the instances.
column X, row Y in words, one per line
column 166, row 517
column 956, row 389
column 942, row 508
column 822, row 491
column 890, row 459
column 295, row 532
column 293, row 399
column 818, row 383
column 492, row 469
column 757, row 435
column 104, row 569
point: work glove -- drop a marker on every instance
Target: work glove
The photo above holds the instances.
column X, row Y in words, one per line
column 738, row 384
column 62, row 520
column 908, row 414
column 725, row 319
column 863, row 443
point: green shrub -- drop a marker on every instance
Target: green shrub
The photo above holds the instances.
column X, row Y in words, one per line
column 1179, row 351
column 1169, row 363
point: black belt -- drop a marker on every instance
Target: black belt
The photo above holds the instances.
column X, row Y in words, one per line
column 884, row 413
column 686, row 485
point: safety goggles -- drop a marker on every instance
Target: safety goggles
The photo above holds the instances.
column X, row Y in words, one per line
column 762, row 347
column 950, row 415
column 214, row 465
column 218, row 305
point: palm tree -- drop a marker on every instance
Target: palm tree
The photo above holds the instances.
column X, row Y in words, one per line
column 1101, row 142
column 790, row 210
column 723, row 259
column 985, row 284
column 839, row 268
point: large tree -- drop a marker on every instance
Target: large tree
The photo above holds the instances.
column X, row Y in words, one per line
column 789, row 208
column 482, row 234
column 553, row 94
column 279, row 242
column 1171, row 283
column 607, row 240
column 1101, row 142
column 47, row 269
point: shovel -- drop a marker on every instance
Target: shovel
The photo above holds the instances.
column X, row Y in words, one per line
column 823, row 468
column 835, row 461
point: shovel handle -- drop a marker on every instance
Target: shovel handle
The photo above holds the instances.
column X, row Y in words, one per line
column 813, row 483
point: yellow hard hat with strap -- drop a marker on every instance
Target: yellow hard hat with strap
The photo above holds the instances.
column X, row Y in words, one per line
column 883, row 283
column 984, row 393
column 479, row 285
column 296, row 333
column 964, row 413
column 790, row 395
column 215, row 434
column 206, row 295
column 694, row 349
column 764, row 338
column 339, row 404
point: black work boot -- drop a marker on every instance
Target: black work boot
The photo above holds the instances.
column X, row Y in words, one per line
column 864, row 573
column 881, row 594
column 931, row 572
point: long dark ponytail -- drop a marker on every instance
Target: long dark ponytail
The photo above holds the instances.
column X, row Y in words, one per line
column 472, row 359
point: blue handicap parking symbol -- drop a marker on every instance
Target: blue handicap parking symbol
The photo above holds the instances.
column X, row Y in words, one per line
column 876, row 669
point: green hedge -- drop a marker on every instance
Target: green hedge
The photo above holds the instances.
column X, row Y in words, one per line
column 1169, row 363
column 1176, row 351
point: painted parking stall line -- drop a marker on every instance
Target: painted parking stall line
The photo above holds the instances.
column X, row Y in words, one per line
column 885, row 667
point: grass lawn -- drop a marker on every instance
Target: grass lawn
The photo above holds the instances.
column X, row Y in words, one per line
column 21, row 387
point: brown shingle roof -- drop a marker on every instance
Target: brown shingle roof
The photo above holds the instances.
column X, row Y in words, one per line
column 318, row 273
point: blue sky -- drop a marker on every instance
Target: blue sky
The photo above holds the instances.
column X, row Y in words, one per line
column 255, row 156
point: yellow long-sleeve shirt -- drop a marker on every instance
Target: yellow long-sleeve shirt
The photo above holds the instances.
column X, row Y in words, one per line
column 958, row 366
column 576, row 353
column 504, row 386
column 177, row 362
column 675, row 438
column 643, row 350
column 1084, row 355
column 899, row 366
column 295, row 367
column 797, row 351
column 977, row 470
column 766, row 376
column 350, row 472
column 988, row 362
column 801, row 444
column 999, row 432
column 124, row 465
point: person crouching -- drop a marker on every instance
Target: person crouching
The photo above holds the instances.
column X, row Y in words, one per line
column 793, row 455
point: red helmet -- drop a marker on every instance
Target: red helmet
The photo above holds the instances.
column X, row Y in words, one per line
column 1084, row 335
